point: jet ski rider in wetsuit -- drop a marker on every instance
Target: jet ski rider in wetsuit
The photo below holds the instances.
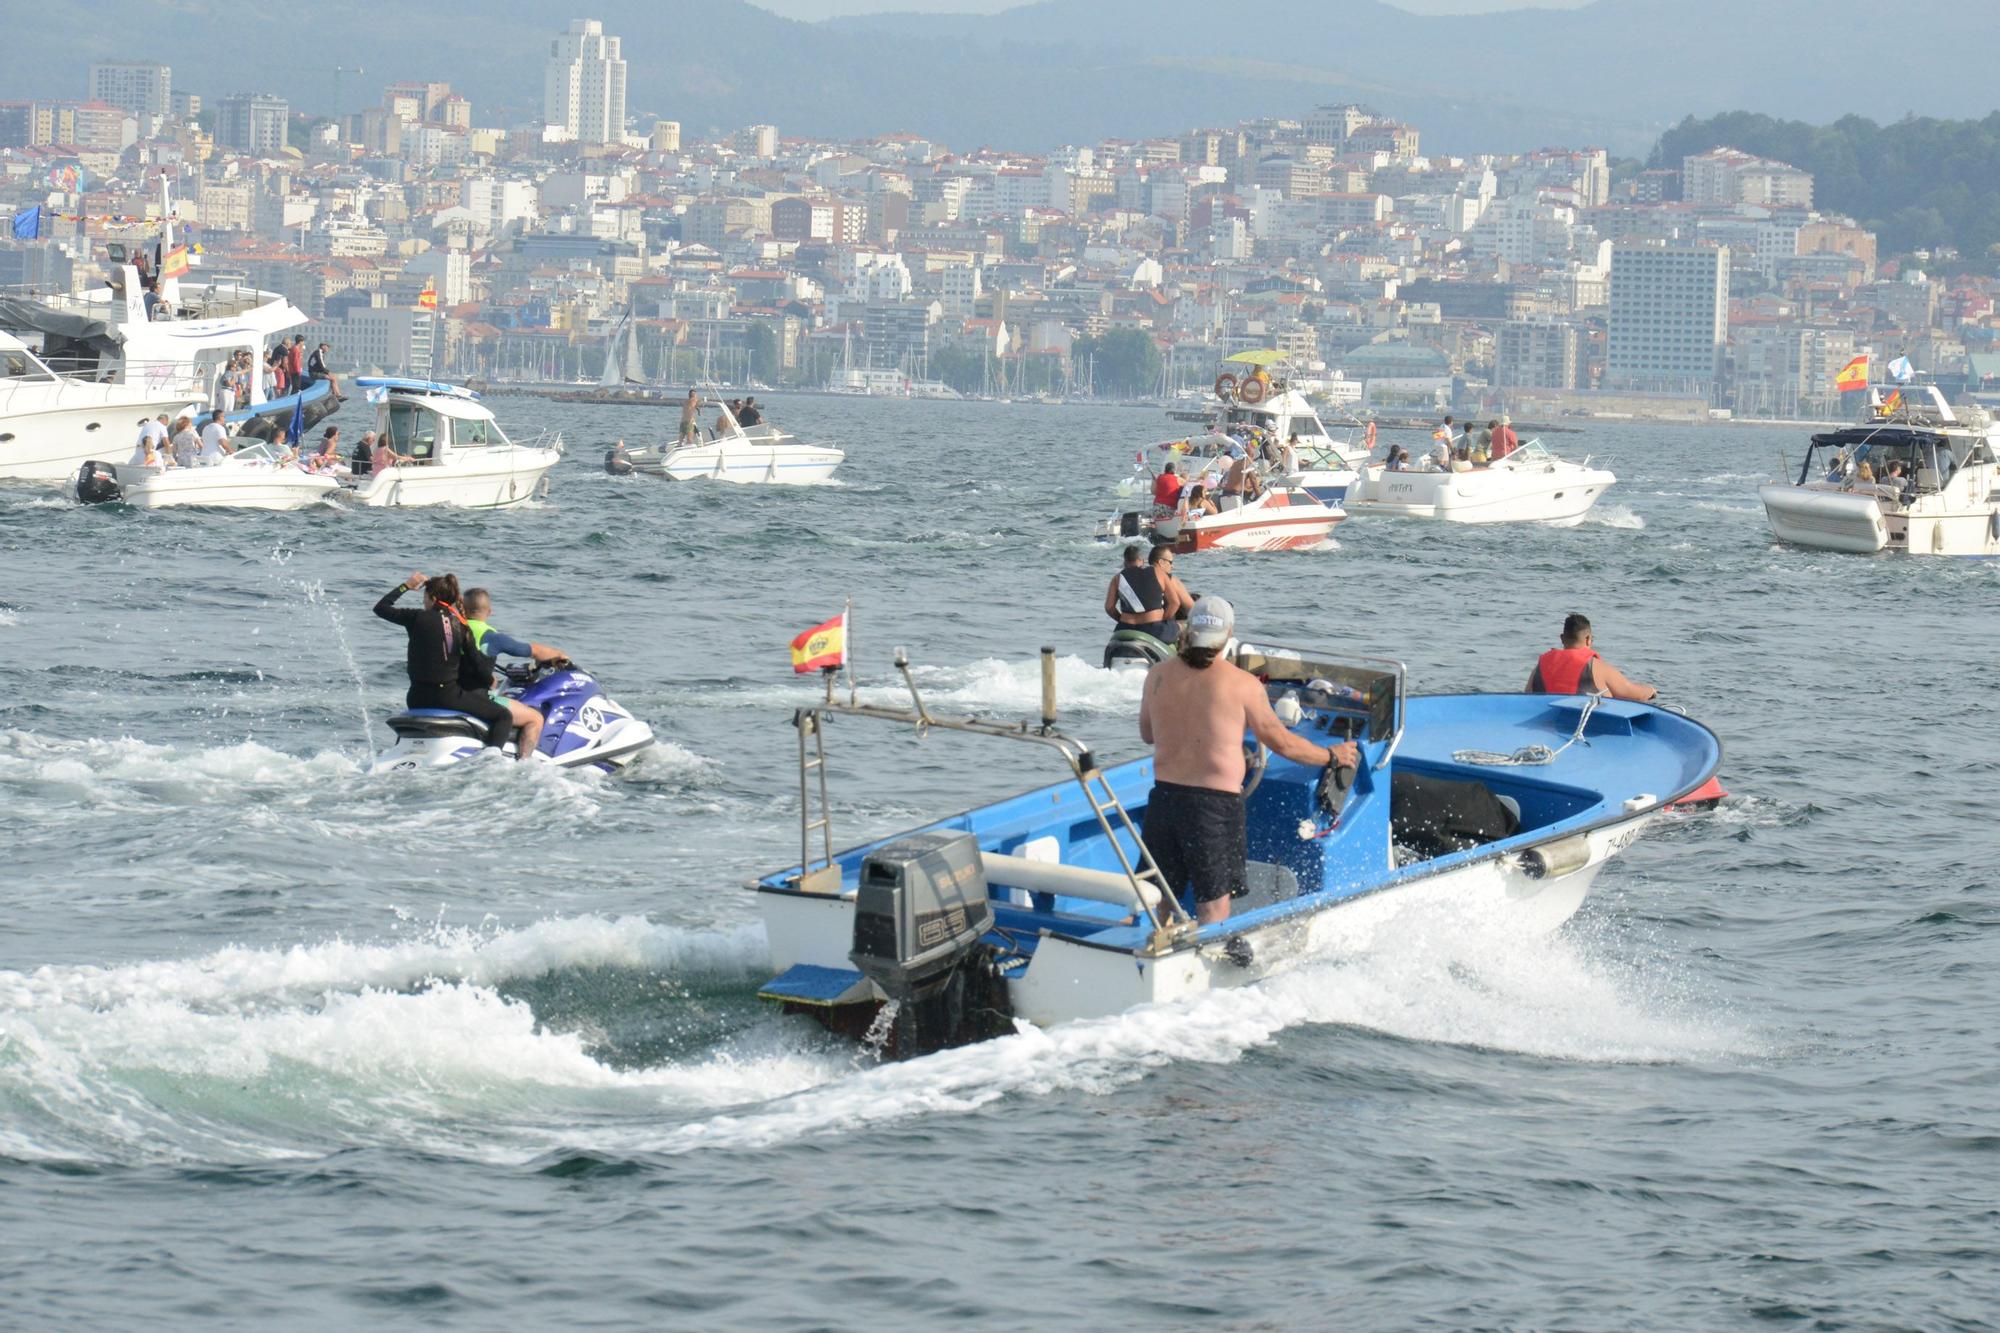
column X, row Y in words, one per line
column 440, row 648
column 1147, row 596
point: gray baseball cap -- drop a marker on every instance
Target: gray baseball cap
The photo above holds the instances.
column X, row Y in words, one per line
column 1210, row 623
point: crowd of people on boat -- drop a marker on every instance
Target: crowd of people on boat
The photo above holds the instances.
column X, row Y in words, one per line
column 286, row 368
column 1459, row 449
column 743, row 412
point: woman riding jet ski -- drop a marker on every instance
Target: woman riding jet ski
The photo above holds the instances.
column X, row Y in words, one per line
column 1149, row 604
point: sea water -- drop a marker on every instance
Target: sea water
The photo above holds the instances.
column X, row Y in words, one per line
column 283, row 1040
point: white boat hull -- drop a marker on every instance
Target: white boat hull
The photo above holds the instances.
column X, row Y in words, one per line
column 1563, row 493
column 483, row 479
column 1068, row 980
column 49, row 440
column 1963, row 520
column 751, row 463
column 224, row 487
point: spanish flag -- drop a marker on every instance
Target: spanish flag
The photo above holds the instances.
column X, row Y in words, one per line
column 1892, row 404
column 1853, row 375
column 427, row 299
column 821, row 648
column 174, row 264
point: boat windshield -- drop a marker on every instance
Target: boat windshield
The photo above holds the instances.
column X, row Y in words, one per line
column 413, row 430
column 1361, row 687
column 1532, row 451
column 476, row 433
column 262, row 451
column 17, row 363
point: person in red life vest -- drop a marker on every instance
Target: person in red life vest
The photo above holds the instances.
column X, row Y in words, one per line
column 1504, row 440
column 1575, row 668
column 1166, row 491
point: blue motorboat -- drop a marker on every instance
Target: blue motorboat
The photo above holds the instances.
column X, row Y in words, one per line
column 1046, row 906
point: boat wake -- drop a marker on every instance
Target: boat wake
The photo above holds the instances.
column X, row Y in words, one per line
column 621, row 1037
column 1614, row 516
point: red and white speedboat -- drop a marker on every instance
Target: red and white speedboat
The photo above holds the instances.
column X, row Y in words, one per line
column 1283, row 517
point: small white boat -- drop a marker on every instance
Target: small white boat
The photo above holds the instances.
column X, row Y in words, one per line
column 260, row 475
column 1530, row 485
column 730, row 452
column 459, row 454
column 50, row 424
column 1284, row 516
column 1916, row 476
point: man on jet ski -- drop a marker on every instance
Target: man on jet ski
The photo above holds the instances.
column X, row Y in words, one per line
column 1147, row 596
column 492, row 643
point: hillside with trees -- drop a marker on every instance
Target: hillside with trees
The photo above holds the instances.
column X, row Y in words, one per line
column 1919, row 184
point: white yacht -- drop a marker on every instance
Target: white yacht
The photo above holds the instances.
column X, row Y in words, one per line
column 730, row 452
column 170, row 342
column 260, row 475
column 459, row 455
column 1915, row 475
column 1529, row 485
column 1250, row 397
column 51, row 424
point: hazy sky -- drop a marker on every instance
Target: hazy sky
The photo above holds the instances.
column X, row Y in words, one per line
column 819, row 9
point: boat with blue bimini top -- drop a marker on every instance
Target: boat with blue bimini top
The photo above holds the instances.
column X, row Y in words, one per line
column 1047, row 906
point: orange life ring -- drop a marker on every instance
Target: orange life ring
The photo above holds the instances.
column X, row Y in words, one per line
column 1225, row 386
column 1250, row 391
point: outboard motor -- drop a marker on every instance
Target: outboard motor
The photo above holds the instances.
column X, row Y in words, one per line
column 919, row 915
column 617, row 462
column 97, row 483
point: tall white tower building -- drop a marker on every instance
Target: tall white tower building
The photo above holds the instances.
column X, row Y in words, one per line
column 583, row 89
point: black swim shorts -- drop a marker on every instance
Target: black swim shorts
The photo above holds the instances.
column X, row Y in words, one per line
column 1196, row 837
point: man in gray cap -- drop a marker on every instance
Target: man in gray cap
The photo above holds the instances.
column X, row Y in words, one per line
column 1193, row 713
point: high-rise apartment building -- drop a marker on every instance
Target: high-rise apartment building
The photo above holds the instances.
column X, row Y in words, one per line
column 1669, row 317
column 252, row 123
column 136, row 87
column 583, row 88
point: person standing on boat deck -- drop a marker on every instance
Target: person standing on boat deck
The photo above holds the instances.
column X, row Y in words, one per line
column 751, row 415
column 1166, row 491
column 1193, row 713
column 295, row 363
column 690, row 416
column 1575, row 668
column 1504, row 441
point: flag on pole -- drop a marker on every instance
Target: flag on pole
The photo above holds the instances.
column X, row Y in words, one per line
column 821, row 648
column 295, row 429
column 175, row 263
column 1893, row 403
column 1853, row 375
column 28, row 223
column 427, row 299
column 1901, row 371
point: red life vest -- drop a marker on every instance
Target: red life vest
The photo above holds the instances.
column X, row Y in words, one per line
column 1560, row 670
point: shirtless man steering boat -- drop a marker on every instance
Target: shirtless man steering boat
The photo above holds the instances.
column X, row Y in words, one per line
column 1194, row 712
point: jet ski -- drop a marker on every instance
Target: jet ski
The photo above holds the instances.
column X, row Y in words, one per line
column 581, row 725
column 1133, row 647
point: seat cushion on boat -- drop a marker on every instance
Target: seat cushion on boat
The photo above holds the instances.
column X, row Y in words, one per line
column 1434, row 816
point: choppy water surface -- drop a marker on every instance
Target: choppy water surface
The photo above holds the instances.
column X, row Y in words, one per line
column 281, row 1039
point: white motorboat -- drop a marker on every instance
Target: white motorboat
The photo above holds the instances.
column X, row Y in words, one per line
column 51, row 424
column 1916, row 475
column 730, row 452
column 1529, row 485
column 260, row 475
column 168, row 344
column 1048, row 906
column 459, row 455
column 1252, row 404
column 1282, row 516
